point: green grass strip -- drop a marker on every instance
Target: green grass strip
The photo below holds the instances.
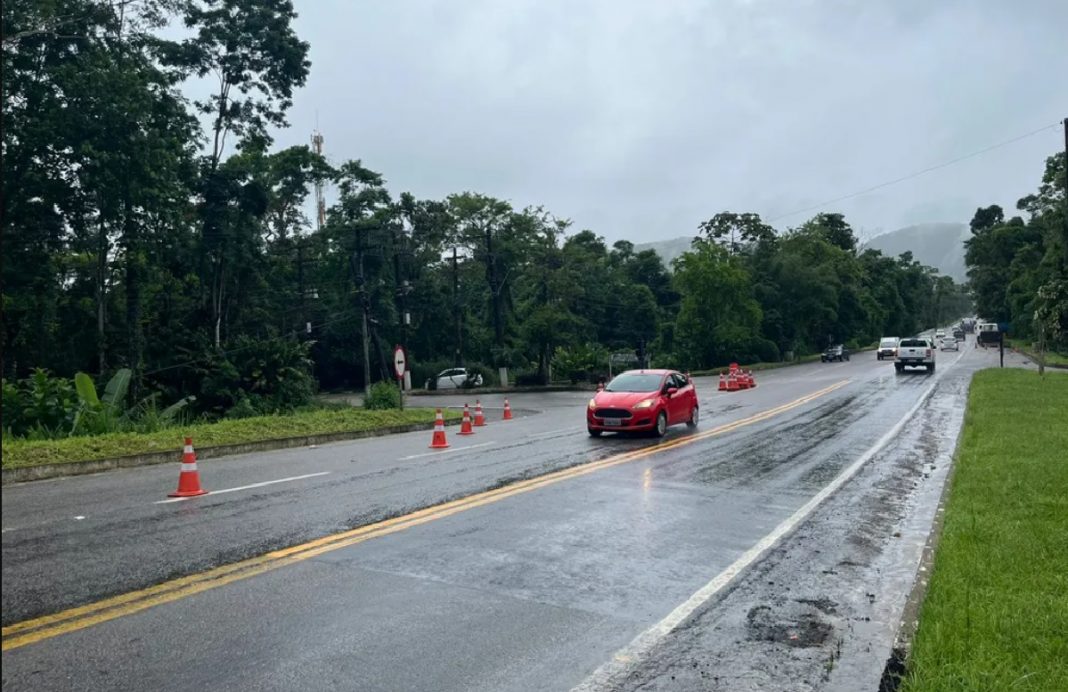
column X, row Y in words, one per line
column 22, row 453
column 1053, row 358
column 996, row 613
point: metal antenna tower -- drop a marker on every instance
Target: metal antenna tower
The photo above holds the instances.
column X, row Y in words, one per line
column 320, row 203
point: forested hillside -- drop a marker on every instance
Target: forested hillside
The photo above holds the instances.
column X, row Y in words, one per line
column 147, row 231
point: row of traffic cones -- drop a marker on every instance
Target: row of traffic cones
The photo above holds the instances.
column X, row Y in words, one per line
column 736, row 379
column 467, row 425
column 189, row 477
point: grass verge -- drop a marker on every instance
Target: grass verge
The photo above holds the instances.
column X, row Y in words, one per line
column 996, row 613
column 23, row 453
column 1053, row 358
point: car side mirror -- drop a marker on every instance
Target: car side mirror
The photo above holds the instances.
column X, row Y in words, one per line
column 672, row 391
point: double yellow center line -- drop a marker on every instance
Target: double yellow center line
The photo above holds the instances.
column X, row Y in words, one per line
column 48, row 626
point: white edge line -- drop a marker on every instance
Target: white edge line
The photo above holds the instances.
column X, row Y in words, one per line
column 243, row 487
column 446, row 451
column 641, row 645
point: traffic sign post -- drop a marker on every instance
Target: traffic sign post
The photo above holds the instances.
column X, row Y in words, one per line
column 400, row 365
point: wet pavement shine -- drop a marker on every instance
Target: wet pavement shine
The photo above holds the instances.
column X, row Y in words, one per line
column 566, row 551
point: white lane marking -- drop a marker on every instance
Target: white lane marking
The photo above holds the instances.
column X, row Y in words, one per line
column 611, row 672
column 79, row 517
column 445, row 451
column 242, row 487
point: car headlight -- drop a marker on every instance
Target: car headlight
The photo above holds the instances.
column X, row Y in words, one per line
column 645, row 404
column 593, row 403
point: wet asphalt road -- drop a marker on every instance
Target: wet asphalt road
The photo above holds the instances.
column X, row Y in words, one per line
column 533, row 591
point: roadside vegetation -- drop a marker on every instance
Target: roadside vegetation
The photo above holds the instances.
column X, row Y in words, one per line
column 342, row 419
column 166, row 236
column 1057, row 359
column 995, row 615
column 1018, row 266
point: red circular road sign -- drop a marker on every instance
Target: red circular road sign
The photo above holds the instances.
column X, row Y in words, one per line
column 400, row 361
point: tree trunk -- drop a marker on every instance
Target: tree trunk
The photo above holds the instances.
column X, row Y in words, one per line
column 133, row 297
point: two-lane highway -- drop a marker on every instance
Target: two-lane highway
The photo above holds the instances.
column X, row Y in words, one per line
column 523, row 557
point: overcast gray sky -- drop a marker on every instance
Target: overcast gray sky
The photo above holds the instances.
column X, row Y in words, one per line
column 639, row 119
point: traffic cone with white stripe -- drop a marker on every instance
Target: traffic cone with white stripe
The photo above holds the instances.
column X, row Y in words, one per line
column 732, row 382
column 189, row 478
column 480, row 418
column 465, row 427
column 752, row 380
column 439, row 441
column 507, row 411
column 722, row 382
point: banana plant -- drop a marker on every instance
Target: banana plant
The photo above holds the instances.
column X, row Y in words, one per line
column 100, row 414
column 108, row 413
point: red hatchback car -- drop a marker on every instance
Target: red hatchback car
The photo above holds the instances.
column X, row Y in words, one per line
column 643, row 400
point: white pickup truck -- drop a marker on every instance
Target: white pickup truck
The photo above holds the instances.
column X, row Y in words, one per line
column 916, row 352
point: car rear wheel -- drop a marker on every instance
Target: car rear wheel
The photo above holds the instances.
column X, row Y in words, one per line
column 899, row 367
column 661, row 425
column 694, row 416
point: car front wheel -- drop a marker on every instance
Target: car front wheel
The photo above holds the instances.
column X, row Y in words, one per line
column 593, row 433
column 661, row 425
column 694, row 416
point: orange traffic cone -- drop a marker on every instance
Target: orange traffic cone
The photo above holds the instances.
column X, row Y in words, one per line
column 732, row 383
column 734, row 367
column 752, row 381
column 438, row 441
column 480, row 419
column 722, row 382
column 507, row 411
column 465, row 426
column 189, row 478
column 743, row 383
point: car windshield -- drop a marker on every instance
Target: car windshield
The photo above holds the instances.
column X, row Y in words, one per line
column 888, row 343
column 635, row 382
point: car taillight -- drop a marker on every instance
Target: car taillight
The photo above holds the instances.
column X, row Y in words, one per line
column 928, row 353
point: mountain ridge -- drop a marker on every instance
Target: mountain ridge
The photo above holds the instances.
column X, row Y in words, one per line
column 936, row 244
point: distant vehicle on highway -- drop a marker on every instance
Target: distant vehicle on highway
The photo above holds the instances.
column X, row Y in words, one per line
column 887, row 347
column 988, row 334
column 950, row 344
column 917, row 352
column 643, row 400
column 835, row 353
column 958, row 334
column 455, row 378
column 940, row 334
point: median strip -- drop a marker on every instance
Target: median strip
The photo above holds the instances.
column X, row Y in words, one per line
column 42, row 628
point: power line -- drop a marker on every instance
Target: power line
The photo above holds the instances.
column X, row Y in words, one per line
column 916, row 174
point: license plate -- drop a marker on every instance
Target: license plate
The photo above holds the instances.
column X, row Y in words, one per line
column 613, row 421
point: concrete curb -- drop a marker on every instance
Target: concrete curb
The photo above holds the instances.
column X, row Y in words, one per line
column 76, row 468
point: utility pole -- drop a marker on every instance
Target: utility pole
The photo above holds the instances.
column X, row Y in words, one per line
column 402, row 290
column 457, row 313
column 300, row 284
column 495, row 288
column 1064, row 220
column 361, row 287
